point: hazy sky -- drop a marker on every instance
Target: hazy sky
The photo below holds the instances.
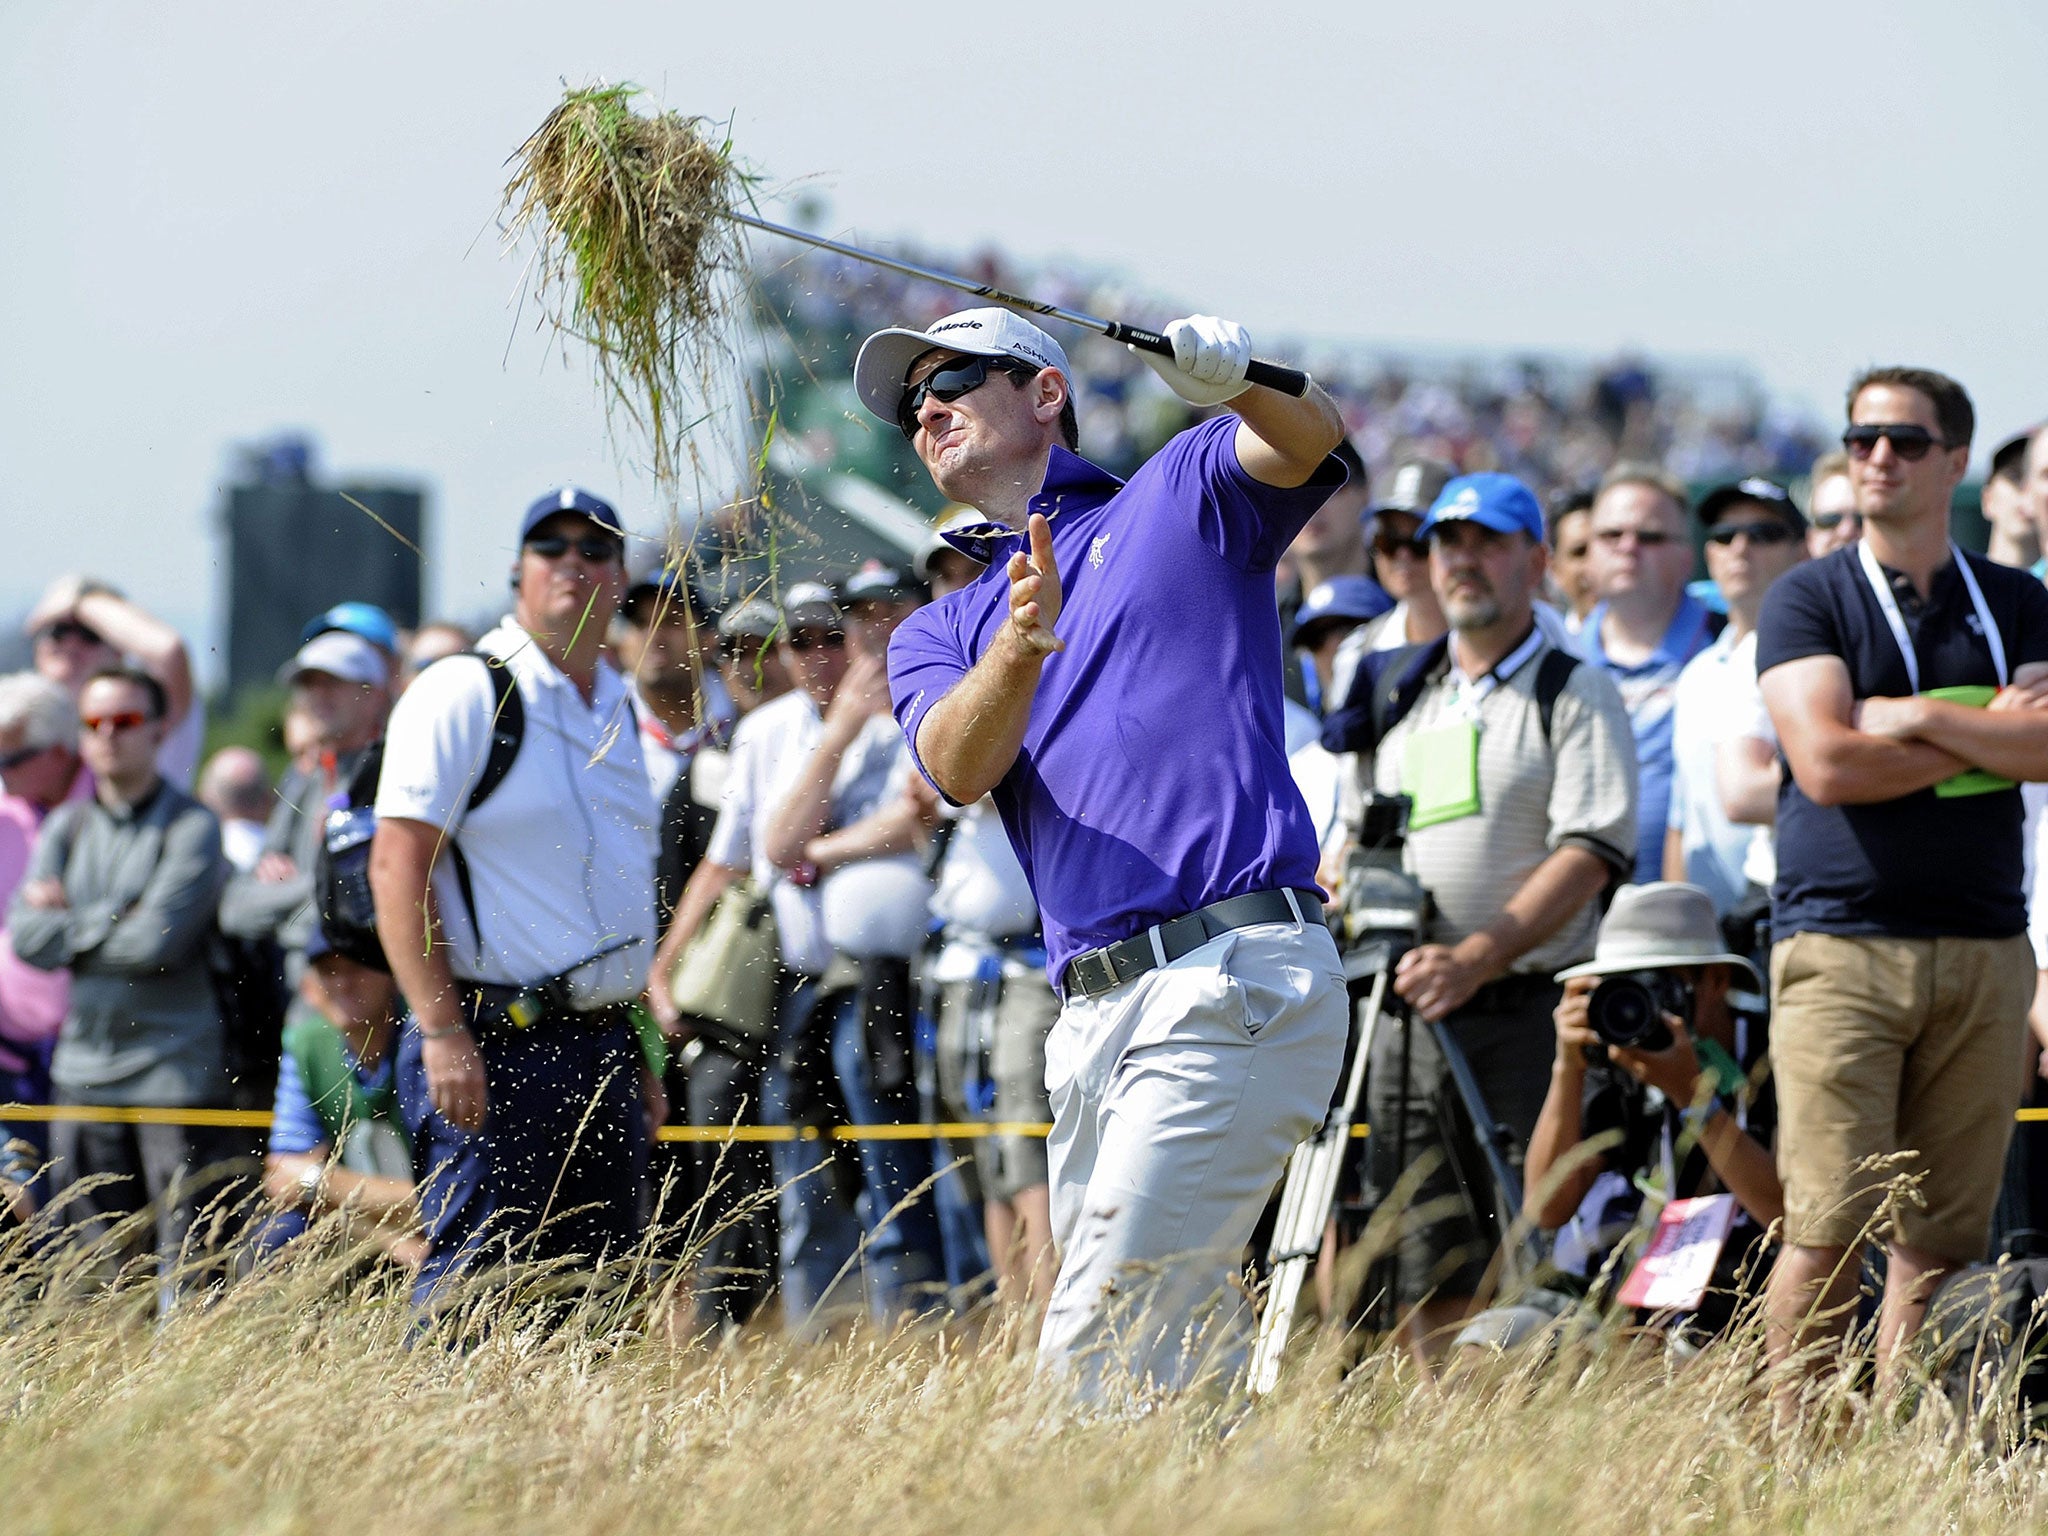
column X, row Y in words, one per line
column 219, row 220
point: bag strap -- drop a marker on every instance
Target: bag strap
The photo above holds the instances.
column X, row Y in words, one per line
column 508, row 730
column 1553, row 675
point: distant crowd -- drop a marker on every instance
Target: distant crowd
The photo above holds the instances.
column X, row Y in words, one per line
column 692, row 850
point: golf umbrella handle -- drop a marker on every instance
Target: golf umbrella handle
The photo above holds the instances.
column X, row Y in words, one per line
column 1288, row 381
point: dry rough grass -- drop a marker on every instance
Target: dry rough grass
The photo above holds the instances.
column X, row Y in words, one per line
column 631, row 253
column 294, row 1402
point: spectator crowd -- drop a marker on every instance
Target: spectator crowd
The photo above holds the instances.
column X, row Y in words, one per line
column 520, row 899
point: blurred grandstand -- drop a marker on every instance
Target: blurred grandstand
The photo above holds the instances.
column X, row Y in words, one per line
column 845, row 487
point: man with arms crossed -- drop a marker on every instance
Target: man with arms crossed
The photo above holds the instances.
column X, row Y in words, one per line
column 1901, row 971
column 1114, row 679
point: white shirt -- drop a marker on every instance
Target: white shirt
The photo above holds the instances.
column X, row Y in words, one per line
column 1760, row 861
column 1716, row 692
column 561, row 855
column 982, row 888
column 769, row 749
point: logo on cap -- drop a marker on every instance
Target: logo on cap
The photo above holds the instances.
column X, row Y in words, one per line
column 1407, row 482
column 1464, row 504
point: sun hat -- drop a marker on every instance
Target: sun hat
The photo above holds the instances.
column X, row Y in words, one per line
column 1658, row 927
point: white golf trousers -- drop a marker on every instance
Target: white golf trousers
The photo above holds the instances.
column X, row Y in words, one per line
column 1176, row 1100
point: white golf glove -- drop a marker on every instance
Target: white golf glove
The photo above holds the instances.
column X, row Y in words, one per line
column 1210, row 357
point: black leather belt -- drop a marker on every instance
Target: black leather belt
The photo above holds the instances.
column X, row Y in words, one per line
column 1099, row 970
column 489, row 1003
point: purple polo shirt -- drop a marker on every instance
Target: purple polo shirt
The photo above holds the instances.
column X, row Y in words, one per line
column 1153, row 778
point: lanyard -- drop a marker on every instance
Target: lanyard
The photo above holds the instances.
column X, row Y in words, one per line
column 1468, row 694
column 1889, row 606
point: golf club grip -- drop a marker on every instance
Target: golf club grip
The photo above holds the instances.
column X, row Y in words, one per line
column 1288, row 381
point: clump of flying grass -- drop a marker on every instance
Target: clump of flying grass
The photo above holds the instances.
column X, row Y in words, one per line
column 632, row 252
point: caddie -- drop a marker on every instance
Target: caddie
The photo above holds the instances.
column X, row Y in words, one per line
column 1114, row 679
column 520, row 929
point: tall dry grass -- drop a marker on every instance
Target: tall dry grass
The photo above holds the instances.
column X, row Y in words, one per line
column 303, row 1399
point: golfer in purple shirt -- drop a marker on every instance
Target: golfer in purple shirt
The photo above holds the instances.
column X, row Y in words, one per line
column 1113, row 678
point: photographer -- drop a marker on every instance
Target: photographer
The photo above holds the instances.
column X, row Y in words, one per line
column 1521, row 772
column 1656, row 1045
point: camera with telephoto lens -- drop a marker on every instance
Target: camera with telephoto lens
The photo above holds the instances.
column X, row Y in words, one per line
column 1627, row 1009
column 1384, row 911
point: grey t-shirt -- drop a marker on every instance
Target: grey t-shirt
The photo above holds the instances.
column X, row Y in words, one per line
column 141, row 884
column 1576, row 790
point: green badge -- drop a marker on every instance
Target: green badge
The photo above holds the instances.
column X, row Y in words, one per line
column 1971, row 781
column 1440, row 774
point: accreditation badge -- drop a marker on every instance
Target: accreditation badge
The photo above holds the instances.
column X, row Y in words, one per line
column 1440, row 773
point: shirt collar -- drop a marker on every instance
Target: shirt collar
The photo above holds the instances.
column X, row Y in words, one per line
column 1070, row 481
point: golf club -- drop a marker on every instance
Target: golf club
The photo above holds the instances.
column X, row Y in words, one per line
column 1288, row 381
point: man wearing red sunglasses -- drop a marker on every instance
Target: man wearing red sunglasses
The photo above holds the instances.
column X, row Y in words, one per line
column 1908, row 682
column 121, row 892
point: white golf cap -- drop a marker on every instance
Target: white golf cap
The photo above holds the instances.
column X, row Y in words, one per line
column 811, row 605
column 340, row 654
column 886, row 356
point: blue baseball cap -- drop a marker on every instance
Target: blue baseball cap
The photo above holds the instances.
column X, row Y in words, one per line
column 1342, row 599
column 364, row 619
column 1496, row 501
column 571, row 498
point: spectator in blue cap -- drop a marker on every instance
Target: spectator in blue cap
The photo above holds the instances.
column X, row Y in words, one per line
column 1329, row 611
column 365, row 619
column 1518, row 765
column 519, row 925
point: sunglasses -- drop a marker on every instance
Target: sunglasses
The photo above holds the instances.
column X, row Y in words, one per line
column 14, row 759
column 814, row 639
column 1388, row 545
column 71, row 629
column 1768, row 531
column 1829, row 521
column 950, row 383
column 126, row 720
column 1908, row 441
column 1646, row 538
column 593, row 547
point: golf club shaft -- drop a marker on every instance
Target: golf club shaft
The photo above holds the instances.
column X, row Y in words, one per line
column 1288, row 381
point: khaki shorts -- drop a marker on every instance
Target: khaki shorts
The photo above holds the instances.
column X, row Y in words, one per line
column 1885, row 1046
column 1008, row 1048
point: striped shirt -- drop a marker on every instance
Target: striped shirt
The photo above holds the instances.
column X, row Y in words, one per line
column 1578, row 789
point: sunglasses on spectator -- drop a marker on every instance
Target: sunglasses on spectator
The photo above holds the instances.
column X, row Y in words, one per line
column 1388, row 545
column 12, row 760
column 1827, row 522
column 813, row 639
column 593, row 547
column 1646, row 538
column 1909, row 442
column 951, row 382
column 1767, row 531
column 71, row 629
column 741, row 650
column 126, row 720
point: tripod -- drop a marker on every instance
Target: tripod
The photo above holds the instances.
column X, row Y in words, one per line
column 1312, row 1173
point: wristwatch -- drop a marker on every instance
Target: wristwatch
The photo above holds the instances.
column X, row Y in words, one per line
column 311, row 1177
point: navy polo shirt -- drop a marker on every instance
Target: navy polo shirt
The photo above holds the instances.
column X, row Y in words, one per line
column 1153, row 778
column 1918, row 866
